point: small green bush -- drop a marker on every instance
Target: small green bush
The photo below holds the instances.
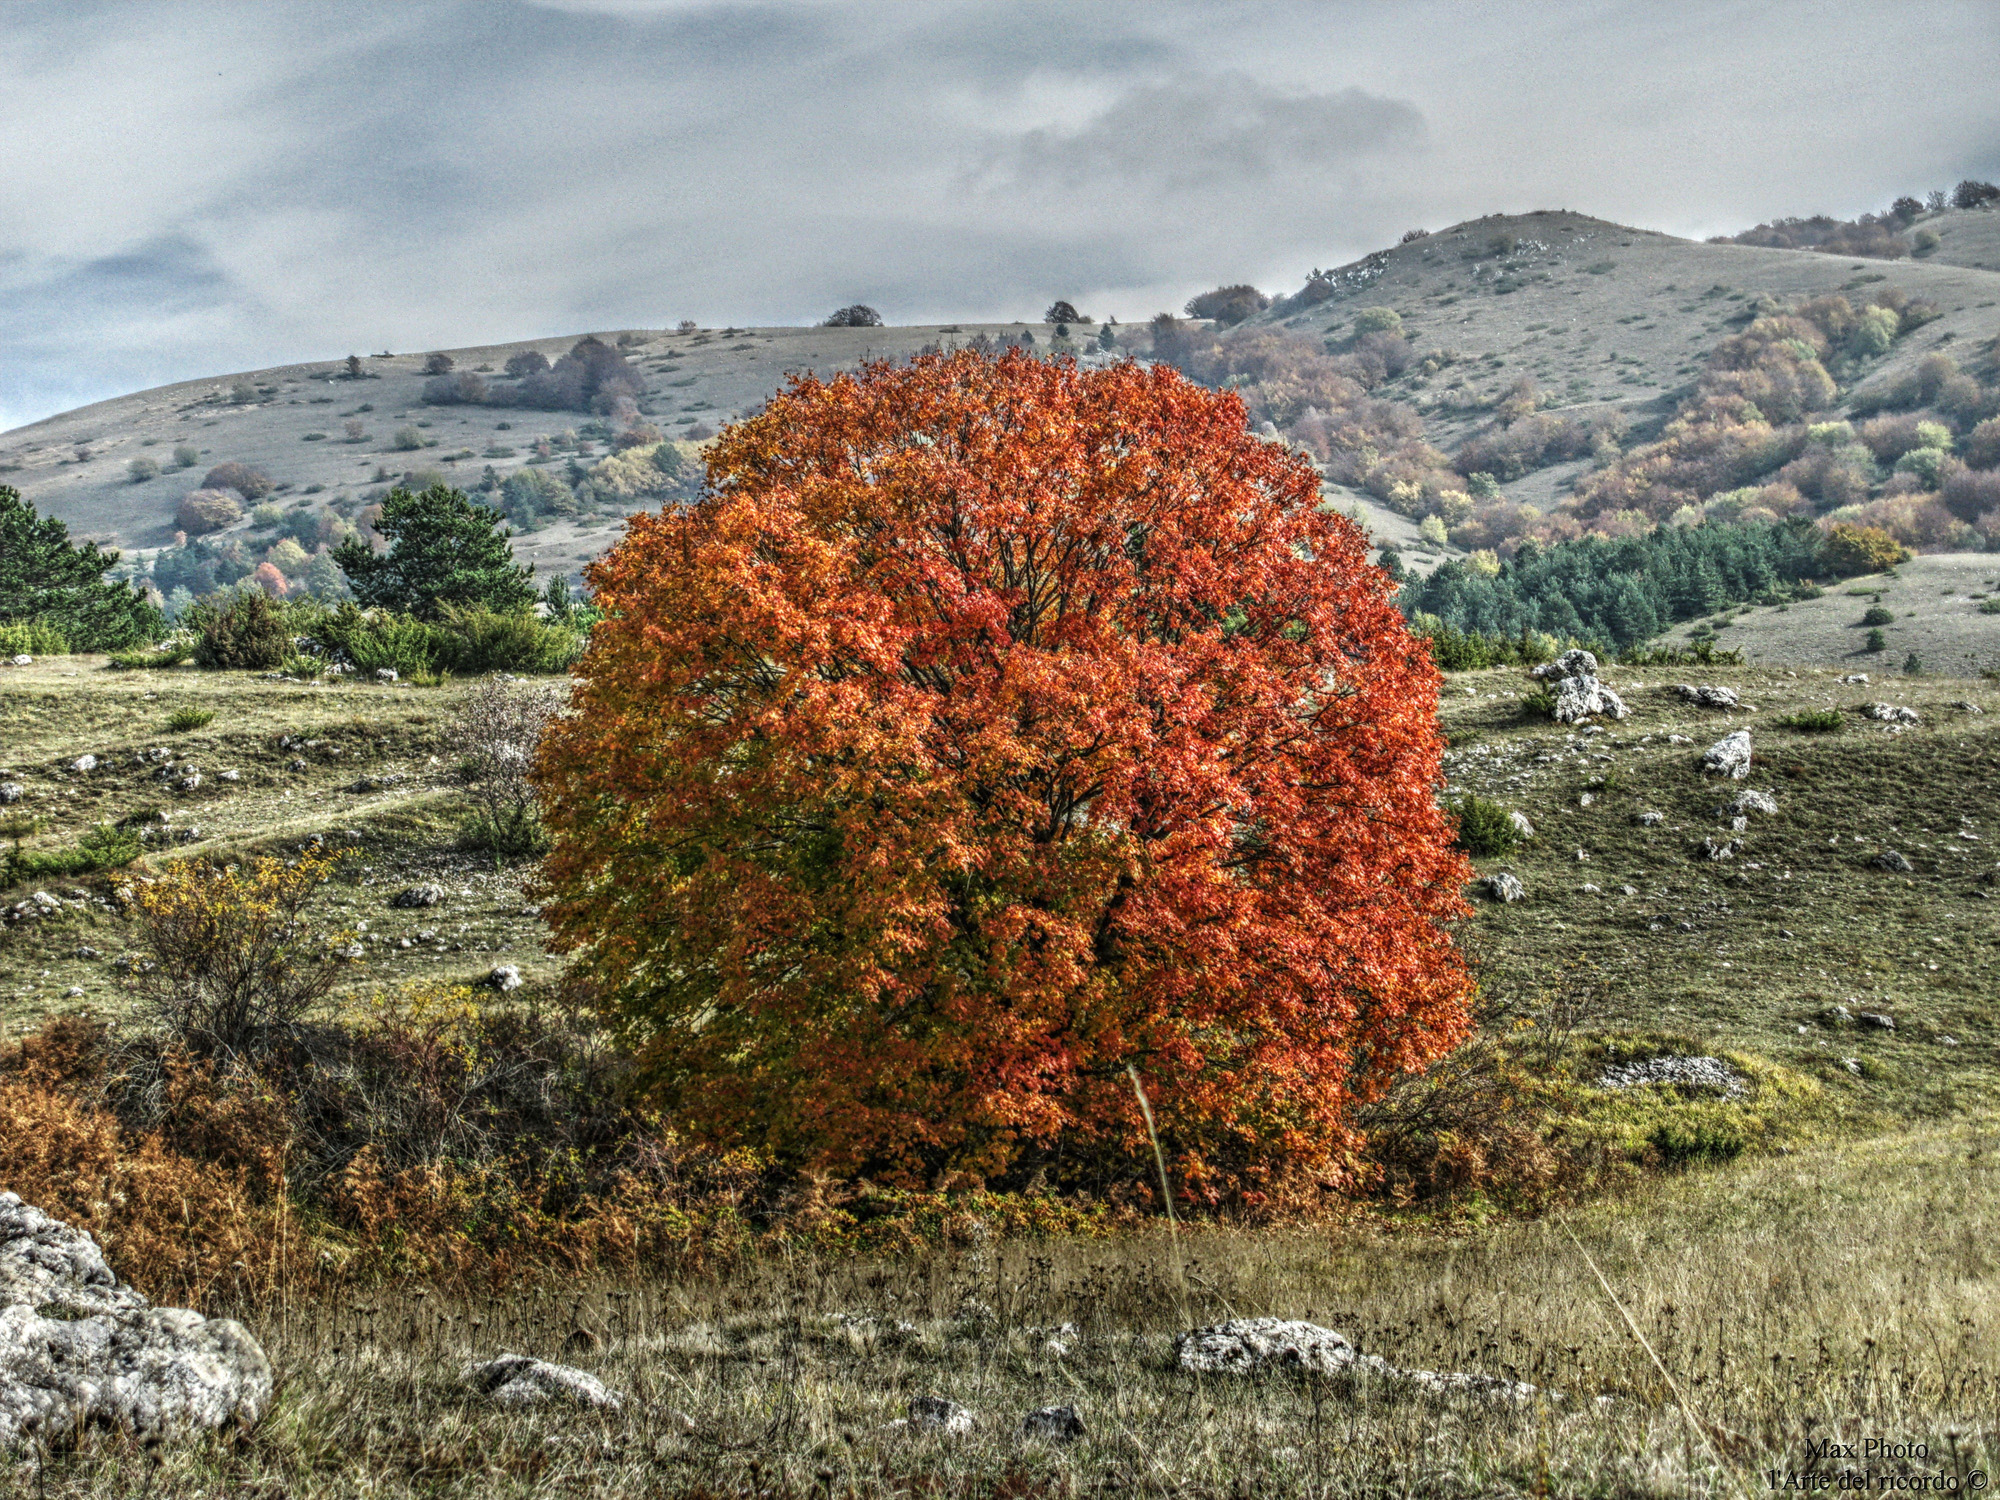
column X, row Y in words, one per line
column 186, row 457
column 1538, row 703
column 182, row 720
column 1990, row 607
column 1813, row 720
column 473, row 640
column 32, row 638
column 1913, row 665
column 408, row 439
column 243, row 632
column 1485, row 828
column 1695, row 1143
column 1877, row 641
column 142, row 469
column 1877, row 615
column 104, row 847
column 167, row 654
column 374, row 639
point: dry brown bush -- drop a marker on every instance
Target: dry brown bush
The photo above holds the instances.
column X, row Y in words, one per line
column 203, row 511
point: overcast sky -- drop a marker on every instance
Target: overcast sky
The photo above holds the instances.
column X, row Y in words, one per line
column 192, row 189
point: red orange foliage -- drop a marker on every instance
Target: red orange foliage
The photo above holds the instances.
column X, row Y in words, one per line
column 993, row 724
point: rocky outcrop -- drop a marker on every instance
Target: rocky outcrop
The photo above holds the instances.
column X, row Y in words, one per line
column 1504, row 887
column 1258, row 1346
column 79, row 1347
column 1579, row 695
column 1729, row 756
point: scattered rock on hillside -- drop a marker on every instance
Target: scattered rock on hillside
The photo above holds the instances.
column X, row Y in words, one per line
column 1966, row 707
column 417, row 896
column 1521, row 825
column 504, row 977
column 1708, row 695
column 1682, row 1072
column 1729, row 756
column 514, row 1380
column 1889, row 859
column 22, row 661
column 80, row 1347
column 936, row 1414
column 1748, row 801
column 1719, row 850
column 1876, row 1019
column 1504, row 887
column 1651, row 819
column 84, row 764
column 1890, row 713
column 12, row 791
column 1053, row 1424
column 1855, row 679
column 1255, row 1346
column 1579, row 695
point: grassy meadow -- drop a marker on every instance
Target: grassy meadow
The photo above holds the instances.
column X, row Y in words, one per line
column 1819, row 1263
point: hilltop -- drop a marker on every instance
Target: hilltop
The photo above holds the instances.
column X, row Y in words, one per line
column 1594, row 334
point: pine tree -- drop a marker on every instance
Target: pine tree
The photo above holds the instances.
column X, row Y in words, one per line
column 443, row 549
column 44, row 576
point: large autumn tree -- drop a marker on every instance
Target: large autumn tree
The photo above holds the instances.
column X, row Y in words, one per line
column 988, row 726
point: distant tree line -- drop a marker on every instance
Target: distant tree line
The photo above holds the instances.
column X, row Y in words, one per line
column 1627, row 591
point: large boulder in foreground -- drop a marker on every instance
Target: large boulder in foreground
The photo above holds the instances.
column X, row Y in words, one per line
column 79, row 1347
column 1578, row 693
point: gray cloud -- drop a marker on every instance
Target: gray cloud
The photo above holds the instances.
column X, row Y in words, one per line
column 196, row 187
column 1226, row 132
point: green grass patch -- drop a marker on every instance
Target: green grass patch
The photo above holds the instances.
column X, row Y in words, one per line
column 1813, row 720
column 182, row 720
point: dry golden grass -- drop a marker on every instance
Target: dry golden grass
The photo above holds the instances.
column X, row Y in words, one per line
column 1846, row 1295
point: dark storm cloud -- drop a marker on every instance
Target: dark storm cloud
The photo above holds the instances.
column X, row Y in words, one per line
column 194, row 187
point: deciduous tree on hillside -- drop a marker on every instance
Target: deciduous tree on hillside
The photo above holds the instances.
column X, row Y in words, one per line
column 988, row 726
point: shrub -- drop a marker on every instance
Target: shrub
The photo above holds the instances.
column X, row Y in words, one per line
column 860, row 315
column 443, row 550
column 181, row 720
column 1926, row 465
column 244, row 631
column 142, row 469
column 1876, row 642
column 495, row 735
column 1913, row 665
column 1982, row 445
column 1989, row 606
column 530, row 493
column 1063, row 313
column 186, row 456
column 1686, row 1143
column 409, row 439
column 1377, row 320
column 171, row 654
column 370, row 640
column 1228, row 305
column 1974, row 194
column 203, row 511
column 103, row 847
column 1849, row 550
column 471, row 639
column 251, row 484
column 437, row 364
column 32, row 638
column 1877, row 615
column 237, row 965
column 527, row 362
column 853, row 924
column 1485, row 828
column 1813, row 720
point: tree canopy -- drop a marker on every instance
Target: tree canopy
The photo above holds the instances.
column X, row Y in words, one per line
column 443, row 550
column 44, row 576
column 988, row 726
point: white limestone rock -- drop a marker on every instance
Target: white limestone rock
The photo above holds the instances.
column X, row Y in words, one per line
column 512, row 1381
